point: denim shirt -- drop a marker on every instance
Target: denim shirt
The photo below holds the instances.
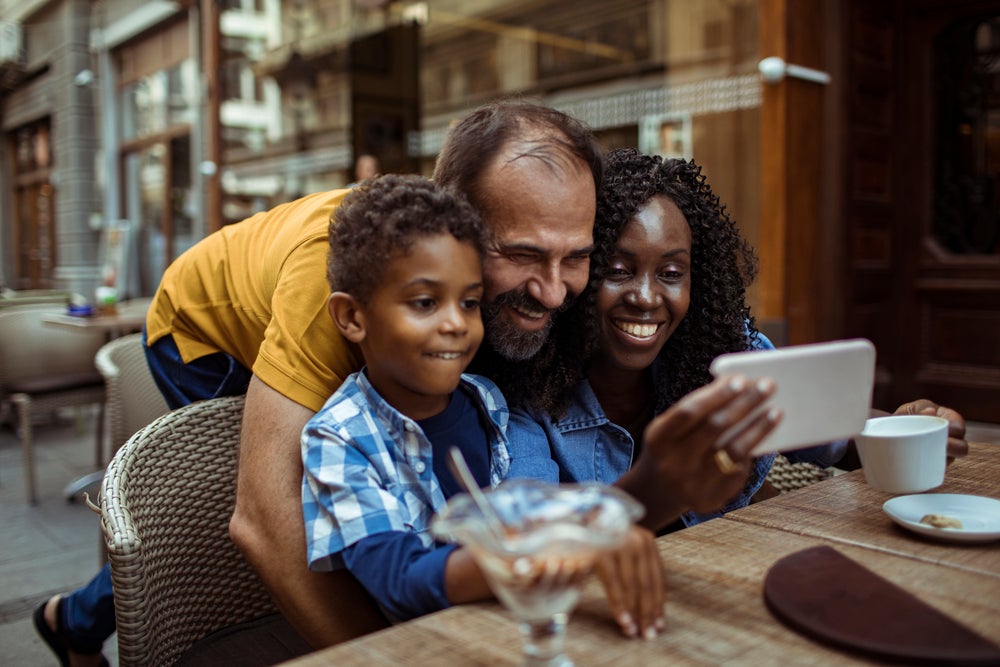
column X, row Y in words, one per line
column 584, row 445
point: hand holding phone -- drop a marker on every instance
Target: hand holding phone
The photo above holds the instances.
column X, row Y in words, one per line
column 823, row 389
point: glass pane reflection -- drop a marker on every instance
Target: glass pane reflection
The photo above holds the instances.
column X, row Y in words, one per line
column 159, row 101
column 145, row 197
column 967, row 178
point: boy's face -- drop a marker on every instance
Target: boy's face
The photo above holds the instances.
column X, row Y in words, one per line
column 422, row 324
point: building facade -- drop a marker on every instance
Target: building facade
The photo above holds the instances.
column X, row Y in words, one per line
column 869, row 191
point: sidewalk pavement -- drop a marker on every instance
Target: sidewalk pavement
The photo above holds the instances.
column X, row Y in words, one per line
column 53, row 547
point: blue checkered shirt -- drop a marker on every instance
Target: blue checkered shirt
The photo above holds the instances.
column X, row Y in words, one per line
column 369, row 468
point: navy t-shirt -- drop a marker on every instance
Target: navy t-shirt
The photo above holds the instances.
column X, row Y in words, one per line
column 405, row 577
column 459, row 424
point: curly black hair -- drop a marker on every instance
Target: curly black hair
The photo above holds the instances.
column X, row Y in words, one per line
column 382, row 218
column 723, row 265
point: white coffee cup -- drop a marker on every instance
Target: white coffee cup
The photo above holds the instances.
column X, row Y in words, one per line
column 904, row 453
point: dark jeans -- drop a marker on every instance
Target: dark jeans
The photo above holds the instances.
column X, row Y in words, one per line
column 206, row 377
column 88, row 616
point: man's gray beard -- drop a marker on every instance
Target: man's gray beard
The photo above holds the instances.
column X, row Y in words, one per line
column 509, row 341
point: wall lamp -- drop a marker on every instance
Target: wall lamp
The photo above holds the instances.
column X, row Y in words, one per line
column 774, row 69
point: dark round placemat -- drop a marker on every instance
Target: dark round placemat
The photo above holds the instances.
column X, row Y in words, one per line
column 826, row 596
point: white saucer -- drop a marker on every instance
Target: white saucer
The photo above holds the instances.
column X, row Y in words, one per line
column 980, row 516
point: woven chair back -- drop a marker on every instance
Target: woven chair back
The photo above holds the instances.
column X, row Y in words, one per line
column 165, row 507
column 786, row 476
column 133, row 400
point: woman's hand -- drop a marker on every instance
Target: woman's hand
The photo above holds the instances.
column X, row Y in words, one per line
column 691, row 456
column 957, row 445
column 635, row 584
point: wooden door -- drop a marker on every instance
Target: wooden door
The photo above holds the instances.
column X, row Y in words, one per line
column 34, row 234
column 868, row 173
column 950, row 214
column 922, row 184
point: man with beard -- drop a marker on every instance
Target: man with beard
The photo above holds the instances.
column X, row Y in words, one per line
column 244, row 311
column 534, row 194
column 532, row 173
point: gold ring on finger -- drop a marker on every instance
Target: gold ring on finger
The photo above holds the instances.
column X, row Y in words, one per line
column 726, row 463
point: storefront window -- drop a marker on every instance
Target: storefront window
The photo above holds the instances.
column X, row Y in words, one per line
column 159, row 101
column 145, row 172
column 32, row 148
column 158, row 111
column 181, row 93
column 967, row 178
column 675, row 77
column 144, row 108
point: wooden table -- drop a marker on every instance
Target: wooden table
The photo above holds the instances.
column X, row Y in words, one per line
column 850, row 512
column 715, row 607
column 112, row 325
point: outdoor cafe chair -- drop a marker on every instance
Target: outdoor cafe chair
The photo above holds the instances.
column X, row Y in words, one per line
column 786, row 476
column 166, row 501
column 133, row 399
column 44, row 369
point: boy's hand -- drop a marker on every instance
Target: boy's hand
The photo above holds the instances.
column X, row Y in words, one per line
column 635, row 584
column 549, row 572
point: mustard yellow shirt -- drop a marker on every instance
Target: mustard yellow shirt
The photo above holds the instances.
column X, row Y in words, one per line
column 257, row 290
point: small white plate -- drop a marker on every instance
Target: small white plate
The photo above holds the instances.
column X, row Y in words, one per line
column 980, row 516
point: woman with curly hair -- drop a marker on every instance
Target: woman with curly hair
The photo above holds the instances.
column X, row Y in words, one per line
column 667, row 295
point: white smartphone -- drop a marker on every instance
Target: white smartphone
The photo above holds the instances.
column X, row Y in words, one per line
column 823, row 389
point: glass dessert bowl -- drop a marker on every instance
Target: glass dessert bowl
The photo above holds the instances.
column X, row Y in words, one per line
column 536, row 543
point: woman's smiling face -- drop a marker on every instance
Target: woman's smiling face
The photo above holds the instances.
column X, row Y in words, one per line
column 647, row 289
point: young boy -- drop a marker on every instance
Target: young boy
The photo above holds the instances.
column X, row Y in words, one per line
column 406, row 273
column 405, row 269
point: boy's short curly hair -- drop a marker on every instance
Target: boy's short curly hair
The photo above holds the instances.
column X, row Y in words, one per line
column 382, row 218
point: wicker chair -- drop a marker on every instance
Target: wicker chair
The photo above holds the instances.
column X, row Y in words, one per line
column 165, row 507
column 43, row 369
column 786, row 476
column 133, row 399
